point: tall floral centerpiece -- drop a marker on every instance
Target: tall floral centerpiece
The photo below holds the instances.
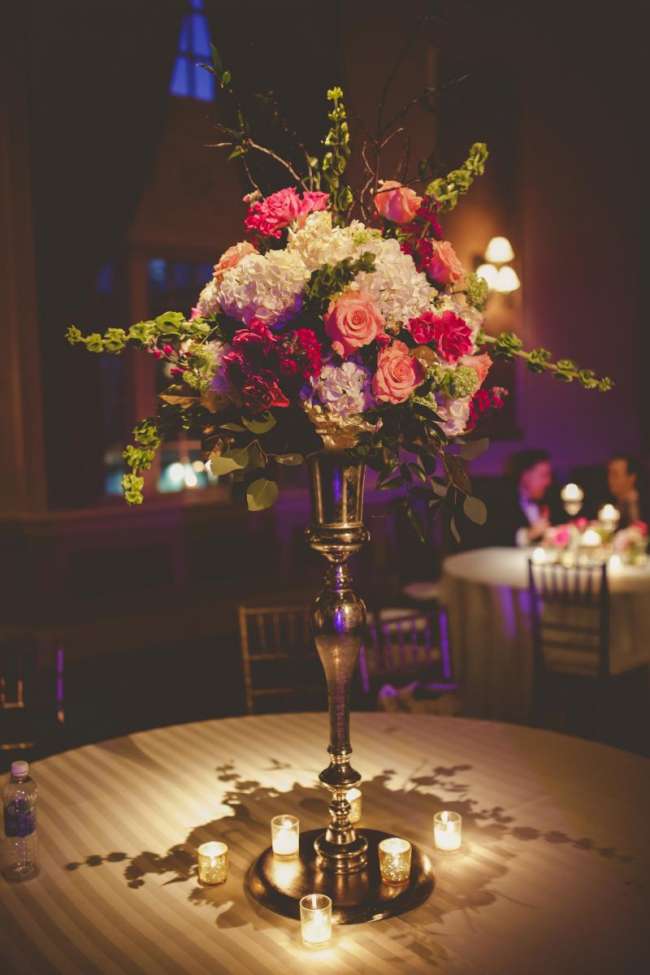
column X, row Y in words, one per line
column 343, row 331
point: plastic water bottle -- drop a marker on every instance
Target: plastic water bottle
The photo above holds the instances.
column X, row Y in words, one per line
column 19, row 804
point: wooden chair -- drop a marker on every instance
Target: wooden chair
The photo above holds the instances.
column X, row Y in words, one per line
column 403, row 646
column 279, row 659
column 570, row 624
column 31, row 693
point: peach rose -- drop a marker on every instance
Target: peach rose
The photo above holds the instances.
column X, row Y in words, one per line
column 396, row 202
column 352, row 320
column 231, row 258
column 398, row 374
column 481, row 365
column 443, row 265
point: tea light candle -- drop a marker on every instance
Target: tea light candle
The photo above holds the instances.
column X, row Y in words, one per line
column 315, row 920
column 572, row 498
column 285, row 836
column 590, row 539
column 447, row 830
column 354, row 798
column 609, row 517
column 395, row 860
column 539, row 555
column 213, row 862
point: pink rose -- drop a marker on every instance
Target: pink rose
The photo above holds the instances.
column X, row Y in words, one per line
column 398, row 374
column 481, row 364
column 396, row 202
column 231, row 258
column 352, row 320
column 272, row 214
column 443, row 265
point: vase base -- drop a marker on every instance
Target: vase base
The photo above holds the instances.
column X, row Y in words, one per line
column 356, row 897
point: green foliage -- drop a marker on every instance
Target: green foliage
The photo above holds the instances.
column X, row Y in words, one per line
column 508, row 346
column 475, row 510
column 139, row 457
column 448, row 189
column 332, row 279
column 476, row 291
column 132, row 488
column 261, row 494
column 457, row 383
column 261, row 424
column 336, row 158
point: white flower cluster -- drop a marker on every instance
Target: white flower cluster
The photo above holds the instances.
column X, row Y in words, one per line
column 317, row 242
column 344, row 389
column 268, row 287
column 454, row 414
column 399, row 290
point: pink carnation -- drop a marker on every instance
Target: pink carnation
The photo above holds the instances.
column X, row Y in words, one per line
column 311, row 202
column 231, row 258
column 396, row 202
column 451, row 334
column 443, row 264
column 352, row 321
column 271, row 215
column 398, row 374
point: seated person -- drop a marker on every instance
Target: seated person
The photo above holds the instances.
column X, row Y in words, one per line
column 624, row 480
column 522, row 512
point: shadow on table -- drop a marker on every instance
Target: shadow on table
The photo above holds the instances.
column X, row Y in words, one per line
column 464, row 880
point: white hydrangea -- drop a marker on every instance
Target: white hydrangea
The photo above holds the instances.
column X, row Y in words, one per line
column 317, row 242
column 400, row 291
column 208, row 303
column 454, row 414
column 266, row 286
column 344, row 390
column 215, row 351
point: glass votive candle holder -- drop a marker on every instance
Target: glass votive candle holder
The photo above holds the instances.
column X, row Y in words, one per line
column 213, row 862
column 447, row 830
column 395, row 860
column 316, row 920
column 354, row 798
column 285, row 836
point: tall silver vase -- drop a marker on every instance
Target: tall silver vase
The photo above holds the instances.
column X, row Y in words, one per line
column 338, row 860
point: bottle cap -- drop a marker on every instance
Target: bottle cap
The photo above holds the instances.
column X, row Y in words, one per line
column 19, row 769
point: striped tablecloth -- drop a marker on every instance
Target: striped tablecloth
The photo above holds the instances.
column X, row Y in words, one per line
column 553, row 875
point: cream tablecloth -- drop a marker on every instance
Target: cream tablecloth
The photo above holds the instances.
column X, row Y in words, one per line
column 486, row 593
column 553, row 875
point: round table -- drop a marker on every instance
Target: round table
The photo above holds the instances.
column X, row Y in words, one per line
column 486, row 594
column 552, row 875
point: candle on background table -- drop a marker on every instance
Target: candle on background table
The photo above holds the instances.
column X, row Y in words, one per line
column 213, row 862
column 285, row 836
column 609, row 517
column 354, row 798
column 395, row 860
column 447, row 830
column 572, row 498
column 315, row 920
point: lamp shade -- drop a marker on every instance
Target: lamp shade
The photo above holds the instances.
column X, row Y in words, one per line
column 506, row 280
column 489, row 274
column 499, row 251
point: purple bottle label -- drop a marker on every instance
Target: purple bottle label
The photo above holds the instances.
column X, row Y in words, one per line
column 20, row 818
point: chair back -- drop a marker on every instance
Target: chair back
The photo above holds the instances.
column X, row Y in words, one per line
column 400, row 643
column 31, row 691
column 279, row 658
column 570, row 617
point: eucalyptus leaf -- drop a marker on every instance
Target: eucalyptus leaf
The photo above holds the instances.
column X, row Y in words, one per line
column 474, row 448
column 261, row 494
column 290, row 460
column 263, row 424
column 475, row 510
column 229, row 461
column 236, row 427
column 454, row 530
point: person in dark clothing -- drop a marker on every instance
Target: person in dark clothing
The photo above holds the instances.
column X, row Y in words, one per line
column 626, row 489
column 522, row 512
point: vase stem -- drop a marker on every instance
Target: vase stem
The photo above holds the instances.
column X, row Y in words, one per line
column 339, row 619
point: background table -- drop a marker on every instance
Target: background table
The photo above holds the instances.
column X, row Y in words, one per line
column 553, row 874
column 486, row 593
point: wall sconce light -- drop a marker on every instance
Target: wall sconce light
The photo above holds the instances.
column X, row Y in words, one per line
column 496, row 272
